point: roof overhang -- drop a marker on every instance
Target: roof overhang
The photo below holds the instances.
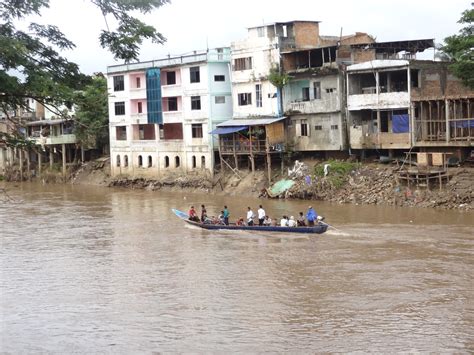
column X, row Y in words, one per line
column 247, row 122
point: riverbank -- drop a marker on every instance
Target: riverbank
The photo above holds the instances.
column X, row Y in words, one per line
column 364, row 184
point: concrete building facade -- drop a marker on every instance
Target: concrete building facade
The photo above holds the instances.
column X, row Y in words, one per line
column 160, row 113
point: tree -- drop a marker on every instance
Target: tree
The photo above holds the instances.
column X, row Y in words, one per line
column 30, row 63
column 91, row 114
column 460, row 48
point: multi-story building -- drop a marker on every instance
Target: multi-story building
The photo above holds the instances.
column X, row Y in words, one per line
column 252, row 58
column 160, row 113
column 314, row 98
column 395, row 103
column 51, row 133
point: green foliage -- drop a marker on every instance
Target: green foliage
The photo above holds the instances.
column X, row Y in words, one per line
column 31, row 65
column 460, row 48
column 91, row 118
column 338, row 171
column 277, row 78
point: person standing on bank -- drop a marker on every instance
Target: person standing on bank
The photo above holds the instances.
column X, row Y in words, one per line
column 311, row 216
column 250, row 216
column 261, row 215
column 226, row 215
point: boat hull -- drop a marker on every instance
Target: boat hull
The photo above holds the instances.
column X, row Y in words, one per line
column 317, row 229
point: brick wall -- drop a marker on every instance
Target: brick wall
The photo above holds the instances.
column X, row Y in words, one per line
column 306, row 34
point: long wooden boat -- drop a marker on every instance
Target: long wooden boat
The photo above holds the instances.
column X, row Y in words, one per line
column 317, row 229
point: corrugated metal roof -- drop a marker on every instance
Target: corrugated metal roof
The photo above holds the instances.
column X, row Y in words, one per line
column 378, row 63
column 250, row 122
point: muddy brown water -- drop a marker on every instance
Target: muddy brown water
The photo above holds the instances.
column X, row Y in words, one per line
column 86, row 270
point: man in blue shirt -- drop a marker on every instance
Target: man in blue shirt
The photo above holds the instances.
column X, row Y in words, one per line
column 311, row 216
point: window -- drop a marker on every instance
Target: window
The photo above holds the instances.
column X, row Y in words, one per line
column 120, row 108
column 172, row 103
column 176, row 162
column 118, row 160
column 138, row 82
column 146, row 132
column 172, row 131
column 167, row 162
column 194, row 161
column 245, row 99
column 203, row 162
column 194, row 74
column 121, row 133
column 318, row 128
column 330, row 90
column 260, row 31
column 195, row 102
column 258, row 95
column 317, row 90
column 304, row 128
column 140, row 107
column 196, row 130
column 219, row 99
column 119, row 83
column 150, row 161
column 242, row 63
column 305, row 94
column 170, row 78
column 219, row 77
column 140, row 161
column 125, row 161
column 334, row 127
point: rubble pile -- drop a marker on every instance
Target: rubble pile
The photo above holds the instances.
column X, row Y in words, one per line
column 182, row 182
column 378, row 185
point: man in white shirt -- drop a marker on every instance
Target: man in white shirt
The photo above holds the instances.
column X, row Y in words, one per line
column 292, row 222
column 261, row 215
column 284, row 222
column 250, row 216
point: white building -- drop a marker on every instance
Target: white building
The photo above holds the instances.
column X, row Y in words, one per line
column 252, row 59
column 161, row 112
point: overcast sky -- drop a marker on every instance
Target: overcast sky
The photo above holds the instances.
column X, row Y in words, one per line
column 192, row 24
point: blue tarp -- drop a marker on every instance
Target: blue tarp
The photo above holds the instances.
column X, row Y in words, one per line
column 462, row 124
column 400, row 123
column 227, row 130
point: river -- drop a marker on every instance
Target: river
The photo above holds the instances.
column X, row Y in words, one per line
column 94, row 270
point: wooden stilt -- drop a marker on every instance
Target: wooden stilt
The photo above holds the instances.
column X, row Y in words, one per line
column 64, row 158
column 40, row 156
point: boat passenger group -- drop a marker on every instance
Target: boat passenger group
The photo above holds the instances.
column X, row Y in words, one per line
column 263, row 219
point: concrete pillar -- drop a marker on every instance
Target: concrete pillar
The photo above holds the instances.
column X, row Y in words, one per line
column 28, row 165
column 83, row 154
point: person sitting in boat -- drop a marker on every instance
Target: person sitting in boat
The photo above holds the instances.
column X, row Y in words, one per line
column 250, row 216
column 240, row 222
column 220, row 218
column 301, row 221
column 311, row 216
column 292, row 222
column 267, row 221
column 284, row 221
column 193, row 215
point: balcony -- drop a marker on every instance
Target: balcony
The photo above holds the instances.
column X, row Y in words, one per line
column 370, row 101
column 61, row 139
column 315, row 106
column 172, row 116
column 139, row 118
column 137, row 94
